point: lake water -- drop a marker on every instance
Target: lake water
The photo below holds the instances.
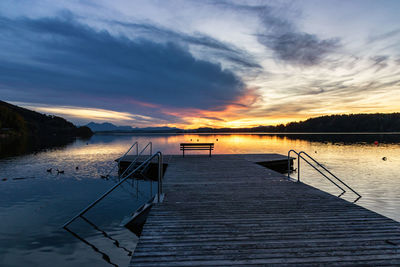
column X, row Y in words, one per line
column 36, row 203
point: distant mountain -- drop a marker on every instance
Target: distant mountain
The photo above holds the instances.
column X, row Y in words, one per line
column 109, row 127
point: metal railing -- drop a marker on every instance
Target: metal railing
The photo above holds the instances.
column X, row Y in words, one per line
column 121, row 158
column 300, row 156
column 149, row 145
column 160, row 174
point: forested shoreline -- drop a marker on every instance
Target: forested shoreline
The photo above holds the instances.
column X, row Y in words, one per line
column 346, row 123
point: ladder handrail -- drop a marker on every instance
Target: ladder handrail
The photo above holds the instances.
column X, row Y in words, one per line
column 299, row 156
column 309, row 163
column 160, row 172
column 137, row 157
column 302, row 152
column 126, row 153
column 298, row 164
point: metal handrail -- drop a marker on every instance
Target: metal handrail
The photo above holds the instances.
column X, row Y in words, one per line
column 309, row 163
column 299, row 156
column 160, row 173
column 298, row 164
column 302, row 152
column 121, row 158
column 137, row 157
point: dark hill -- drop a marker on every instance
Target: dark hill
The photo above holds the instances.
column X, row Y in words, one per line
column 23, row 131
column 352, row 123
column 20, row 121
column 378, row 122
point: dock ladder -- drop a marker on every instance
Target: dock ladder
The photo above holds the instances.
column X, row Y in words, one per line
column 135, row 160
column 121, row 158
column 314, row 164
column 139, row 168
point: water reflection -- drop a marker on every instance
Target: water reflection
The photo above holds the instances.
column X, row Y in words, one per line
column 104, row 256
column 21, row 145
column 104, row 233
column 347, row 138
column 35, row 203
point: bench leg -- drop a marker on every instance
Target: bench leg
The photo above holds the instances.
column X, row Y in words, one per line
column 210, row 152
column 183, row 152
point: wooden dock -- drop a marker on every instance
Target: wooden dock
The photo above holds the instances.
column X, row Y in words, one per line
column 227, row 210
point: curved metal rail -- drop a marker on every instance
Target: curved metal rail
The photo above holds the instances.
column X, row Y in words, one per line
column 160, row 173
column 121, row 158
column 299, row 156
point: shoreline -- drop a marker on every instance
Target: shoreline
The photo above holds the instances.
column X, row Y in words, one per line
column 255, row 133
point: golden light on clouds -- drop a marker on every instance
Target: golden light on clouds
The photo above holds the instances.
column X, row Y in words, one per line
column 87, row 113
column 82, row 113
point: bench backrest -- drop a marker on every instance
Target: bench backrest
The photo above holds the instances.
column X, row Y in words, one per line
column 197, row 144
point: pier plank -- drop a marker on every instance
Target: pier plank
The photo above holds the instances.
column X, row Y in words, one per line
column 227, row 210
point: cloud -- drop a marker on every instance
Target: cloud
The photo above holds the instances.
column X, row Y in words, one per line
column 299, row 48
column 291, row 45
column 223, row 50
column 213, row 118
column 341, row 89
column 380, row 62
column 161, row 32
column 383, row 36
column 279, row 34
column 61, row 61
column 86, row 114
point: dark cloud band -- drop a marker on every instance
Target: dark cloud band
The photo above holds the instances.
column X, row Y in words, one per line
column 65, row 62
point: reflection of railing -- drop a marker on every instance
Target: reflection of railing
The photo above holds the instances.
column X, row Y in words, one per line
column 149, row 145
column 121, row 158
column 104, row 256
column 106, row 235
column 316, row 163
column 139, row 168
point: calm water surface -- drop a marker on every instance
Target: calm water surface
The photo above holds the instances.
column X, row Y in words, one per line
column 35, row 203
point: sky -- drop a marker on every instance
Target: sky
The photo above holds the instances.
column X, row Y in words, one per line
column 206, row 63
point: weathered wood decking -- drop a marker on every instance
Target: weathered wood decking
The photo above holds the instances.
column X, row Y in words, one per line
column 226, row 210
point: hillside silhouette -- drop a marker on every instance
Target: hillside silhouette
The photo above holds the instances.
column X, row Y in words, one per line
column 23, row 130
column 378, row 122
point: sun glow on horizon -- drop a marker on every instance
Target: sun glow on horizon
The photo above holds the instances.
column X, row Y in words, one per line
column 190, row 118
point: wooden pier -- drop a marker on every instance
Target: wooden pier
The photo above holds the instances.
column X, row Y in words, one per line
column 227, row 210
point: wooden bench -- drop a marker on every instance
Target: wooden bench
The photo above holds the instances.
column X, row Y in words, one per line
column 197, row 146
